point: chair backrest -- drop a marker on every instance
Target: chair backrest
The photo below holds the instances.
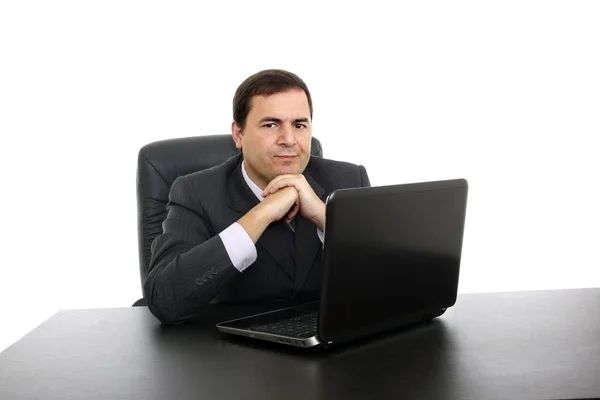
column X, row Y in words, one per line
column 160, row 163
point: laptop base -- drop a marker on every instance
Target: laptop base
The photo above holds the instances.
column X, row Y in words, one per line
column 294, row 326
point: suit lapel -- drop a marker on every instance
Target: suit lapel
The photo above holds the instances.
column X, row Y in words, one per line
column 318, row 189
column 241, row 199
column 307, row 240
column 307, row 247
column 239, row 196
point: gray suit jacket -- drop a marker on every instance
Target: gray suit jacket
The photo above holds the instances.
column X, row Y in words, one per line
column 190, row 267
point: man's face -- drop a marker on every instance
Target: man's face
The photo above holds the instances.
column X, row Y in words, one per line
column 277, row 136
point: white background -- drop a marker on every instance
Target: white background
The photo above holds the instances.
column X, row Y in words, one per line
column 506, row 95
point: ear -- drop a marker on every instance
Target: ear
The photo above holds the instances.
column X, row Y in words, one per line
column 236, row 132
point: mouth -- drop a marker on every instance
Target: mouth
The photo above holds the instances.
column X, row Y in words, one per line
column 286, row 157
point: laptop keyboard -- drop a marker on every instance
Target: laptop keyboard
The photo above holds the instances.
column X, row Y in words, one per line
column 303, row 326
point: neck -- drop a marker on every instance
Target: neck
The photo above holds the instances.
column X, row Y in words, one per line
column 253, row 177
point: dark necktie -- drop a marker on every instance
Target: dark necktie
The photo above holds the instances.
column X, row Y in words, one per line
column 290, row 238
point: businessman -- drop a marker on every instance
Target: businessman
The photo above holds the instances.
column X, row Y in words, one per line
column 250, row 229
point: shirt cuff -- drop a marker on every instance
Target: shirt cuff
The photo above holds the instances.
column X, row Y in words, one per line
column 321, row 234
column 239, row 246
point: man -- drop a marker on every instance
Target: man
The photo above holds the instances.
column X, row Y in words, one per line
column 250, row 229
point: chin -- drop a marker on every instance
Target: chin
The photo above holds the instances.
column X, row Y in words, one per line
column 284, row 171
column 289, row 169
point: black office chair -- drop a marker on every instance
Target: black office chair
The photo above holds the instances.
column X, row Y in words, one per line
column 159, row 164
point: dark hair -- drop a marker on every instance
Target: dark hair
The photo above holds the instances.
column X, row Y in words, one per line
column 267, row 82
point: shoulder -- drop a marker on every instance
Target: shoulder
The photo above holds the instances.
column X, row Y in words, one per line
column 337, row 174
column 217, row 173
column 210, row 180
column 324, row 164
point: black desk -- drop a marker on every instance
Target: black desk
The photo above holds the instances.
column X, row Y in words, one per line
column 523, row 345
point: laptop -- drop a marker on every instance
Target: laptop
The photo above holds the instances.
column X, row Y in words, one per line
column 391, row 258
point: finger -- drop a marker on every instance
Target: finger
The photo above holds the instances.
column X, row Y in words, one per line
column 270, row 188
column 273, row 181
column 282, row 185
column 274, row 189
column 290, row 217
column 287, row 182
column 277, row 183
column 268, row 193
column 293, row 212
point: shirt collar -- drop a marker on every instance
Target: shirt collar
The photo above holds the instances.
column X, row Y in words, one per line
column 253, row 186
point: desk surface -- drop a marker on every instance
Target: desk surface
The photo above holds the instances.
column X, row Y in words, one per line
column 520, row 345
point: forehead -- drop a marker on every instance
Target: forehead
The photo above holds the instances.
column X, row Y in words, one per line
column 292, row 104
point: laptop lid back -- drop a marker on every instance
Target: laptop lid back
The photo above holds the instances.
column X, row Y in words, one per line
column 391, row 256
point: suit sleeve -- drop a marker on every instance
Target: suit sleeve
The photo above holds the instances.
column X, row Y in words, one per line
column 189, row 262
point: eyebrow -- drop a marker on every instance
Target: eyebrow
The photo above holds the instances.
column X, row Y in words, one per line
column 279, row 120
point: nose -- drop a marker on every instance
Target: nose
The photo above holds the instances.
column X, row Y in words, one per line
column 286, row 136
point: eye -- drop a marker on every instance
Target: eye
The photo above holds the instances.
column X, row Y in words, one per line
column 269, row 125
column 300, row 126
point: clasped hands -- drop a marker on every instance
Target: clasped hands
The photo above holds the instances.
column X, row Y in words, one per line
column 287, row 195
